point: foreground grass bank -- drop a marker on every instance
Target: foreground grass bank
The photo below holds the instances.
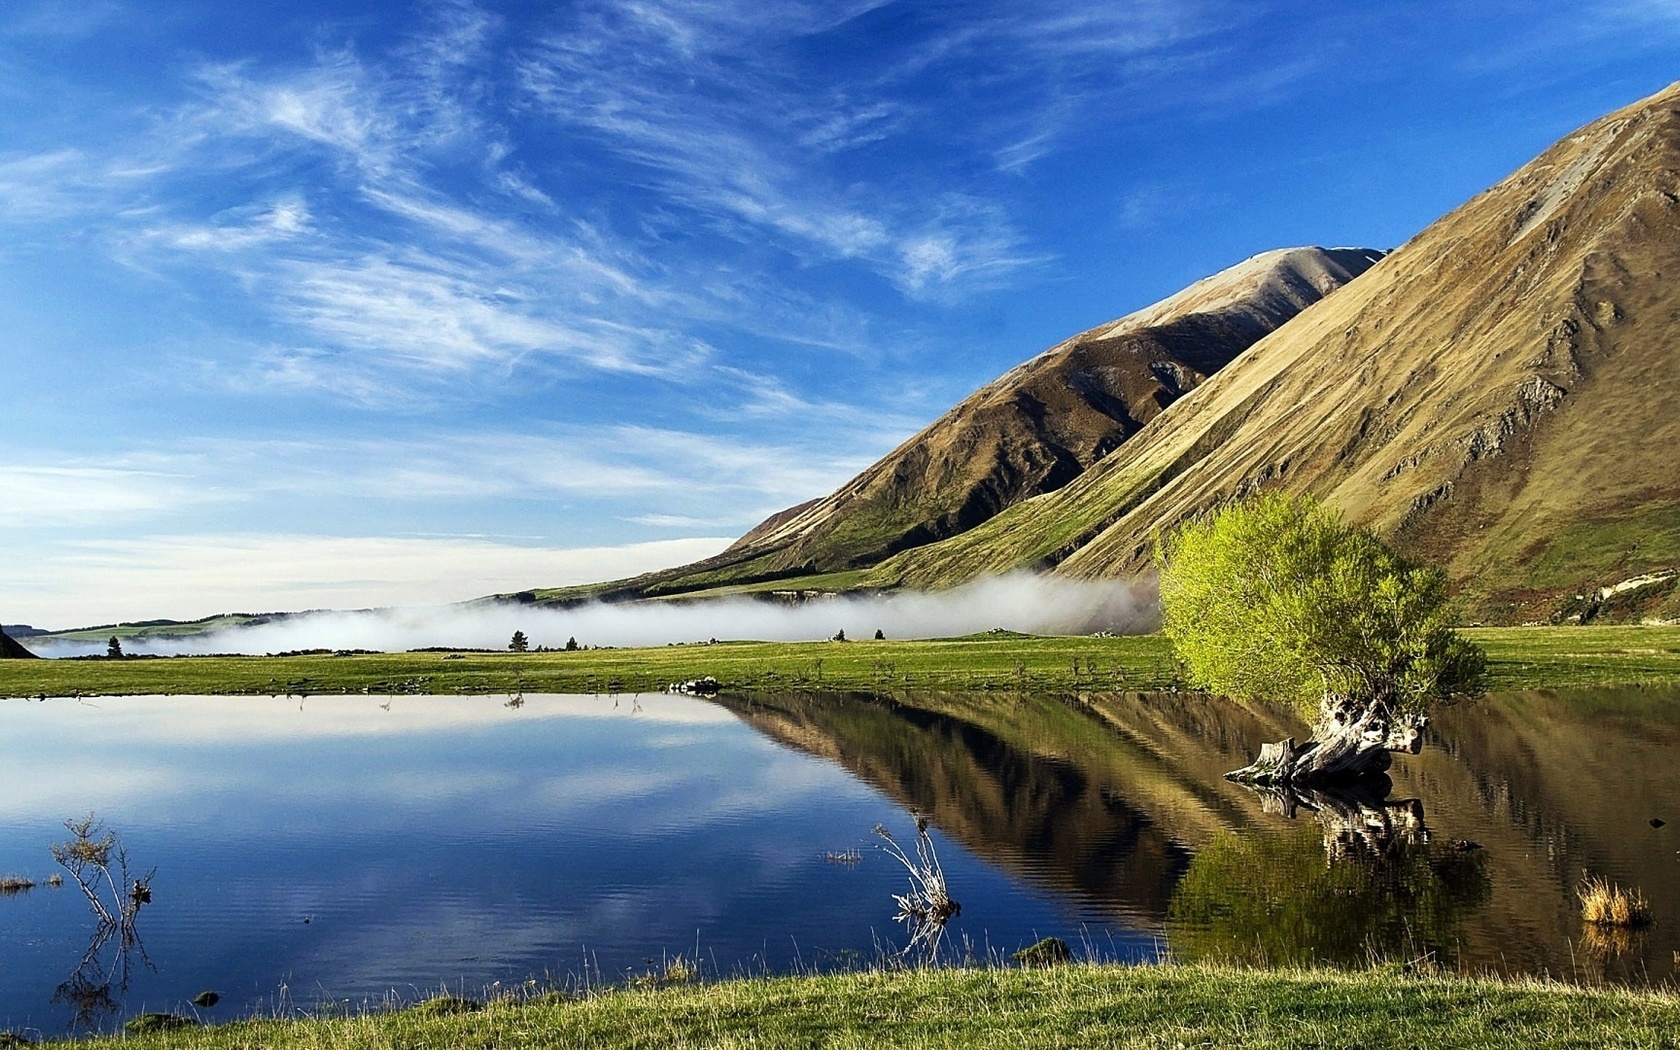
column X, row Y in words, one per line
column 1067, row 1006
column 1520, row 658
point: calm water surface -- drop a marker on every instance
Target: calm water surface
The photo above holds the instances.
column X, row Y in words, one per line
column 345, row 850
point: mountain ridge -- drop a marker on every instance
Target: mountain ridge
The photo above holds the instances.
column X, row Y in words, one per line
column 1030, row 431
column 10, row 649
column 1495, row 396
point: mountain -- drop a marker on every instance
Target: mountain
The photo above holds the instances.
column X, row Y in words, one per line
column 1500, row 395
column 1031, row 431
column 11, row 650
column 1044, row 422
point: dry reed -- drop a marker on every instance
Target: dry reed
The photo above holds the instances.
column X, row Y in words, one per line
column 1603, row 903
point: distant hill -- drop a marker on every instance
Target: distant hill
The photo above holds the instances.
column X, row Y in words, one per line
column 11, row 650
column 162, row 630
column 1031, row 431
column 1501, row 395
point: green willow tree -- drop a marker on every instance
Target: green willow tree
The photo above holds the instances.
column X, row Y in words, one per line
column 1275, row 599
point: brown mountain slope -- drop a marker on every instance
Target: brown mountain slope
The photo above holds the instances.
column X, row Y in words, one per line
column 1031, row 431
column 11, row 650
column 1500, row 395
column 1041, row 424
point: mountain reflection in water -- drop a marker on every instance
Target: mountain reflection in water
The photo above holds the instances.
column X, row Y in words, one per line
column 1469, row 860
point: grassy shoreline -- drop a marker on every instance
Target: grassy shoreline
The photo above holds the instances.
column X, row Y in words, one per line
column 1065, row 1006
column 1519, row 658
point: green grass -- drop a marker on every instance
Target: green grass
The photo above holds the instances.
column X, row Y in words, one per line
column 826, row 582
column 1562, row 657
column 1065, row 1006
column 985, row 662
column 1638, row 539
column 1520, row 658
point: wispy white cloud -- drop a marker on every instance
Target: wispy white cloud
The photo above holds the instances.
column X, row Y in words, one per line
column 192, row 575
column 61, row 19
column 667, row 88
column 82, row 493
column 237, row 230
column 432, row 314
column 1061, row 30
column 401, row 247
column 1156, row 203
column 445, row 287
column 664, row 475
column 45, row 187
column 1644, row 10
column 764, row 397
column 677, row 521
column 335, row 103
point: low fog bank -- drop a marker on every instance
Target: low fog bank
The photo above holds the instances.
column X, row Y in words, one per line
column 1022, row 602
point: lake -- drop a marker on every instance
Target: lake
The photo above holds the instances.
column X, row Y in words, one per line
column 345, row 851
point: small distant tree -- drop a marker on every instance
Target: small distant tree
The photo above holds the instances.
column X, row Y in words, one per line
column 571, row 645
column 113, row 648
column 839, row 636
column 1276, row 599
column 880, row 635
column 519, row 643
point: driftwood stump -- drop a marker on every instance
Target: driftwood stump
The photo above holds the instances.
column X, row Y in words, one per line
column 1351, row 740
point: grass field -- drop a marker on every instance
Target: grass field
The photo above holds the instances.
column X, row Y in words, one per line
column 1520, row 658
column 1066, row 1006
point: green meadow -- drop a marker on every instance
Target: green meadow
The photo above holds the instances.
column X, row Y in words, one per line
column 1165, row 1006
column 1519, row 658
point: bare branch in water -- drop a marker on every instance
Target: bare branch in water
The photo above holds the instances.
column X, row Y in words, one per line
column 97, row 860
column 927, row 907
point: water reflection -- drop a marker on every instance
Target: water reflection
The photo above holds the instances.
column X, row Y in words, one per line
column 355, row 851
column 369, row 844
column 1376, row 889
column 1117, row 801
column 1359, row 820
column 94, row 992
column 1277, row 900
column 1035, row 787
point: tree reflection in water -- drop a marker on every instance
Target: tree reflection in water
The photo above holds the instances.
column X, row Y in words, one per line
column 94, row 991
column 1372, row 888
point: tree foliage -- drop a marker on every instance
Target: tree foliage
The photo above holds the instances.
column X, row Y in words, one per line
column 1276, row 599
column 518, row 643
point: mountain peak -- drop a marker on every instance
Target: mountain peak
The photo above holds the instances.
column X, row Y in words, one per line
column 1029, row 432
column 1035, row 428
column 1498, row 396
column 1284, row 280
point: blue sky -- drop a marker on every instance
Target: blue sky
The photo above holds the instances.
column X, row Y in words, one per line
column 348, row 304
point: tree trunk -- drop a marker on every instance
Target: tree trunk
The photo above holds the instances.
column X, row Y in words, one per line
column 1350, row 741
